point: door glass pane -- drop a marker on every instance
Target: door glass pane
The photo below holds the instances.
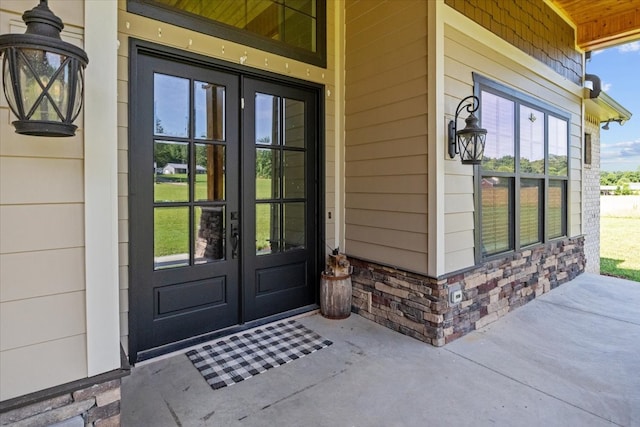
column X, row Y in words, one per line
column 293, row 123
column 294, row 226
column 556, row 208
column 210, row 172
column 170, row 237
column 496, row 213
column 293, row 174
column 498, row 119
column 530, row 209
column 209, row 111
column 267, row 173
column 208, row 223
column 267, row 119
column 171, row 105
column 557, row 146
column 171, row 167
column 267, row 228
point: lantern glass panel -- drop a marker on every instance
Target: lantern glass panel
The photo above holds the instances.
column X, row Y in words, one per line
column 472, row 147
column 30, row 90
column 60, row 89
column 8, row 84
column 44, row 65
column 480, row 143
column 466, row 147
column 77, row 101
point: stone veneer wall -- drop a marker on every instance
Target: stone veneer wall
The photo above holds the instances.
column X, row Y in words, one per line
column 418, row 306
column 97, row 406
column 531, row 26
column 591, row 194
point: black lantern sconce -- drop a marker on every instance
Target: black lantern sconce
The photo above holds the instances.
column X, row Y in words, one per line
column 468, row 142
column 43, row 76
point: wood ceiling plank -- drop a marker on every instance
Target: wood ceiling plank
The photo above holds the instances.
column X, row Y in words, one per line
column 603, row 23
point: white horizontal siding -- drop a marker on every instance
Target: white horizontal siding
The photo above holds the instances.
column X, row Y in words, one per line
column 42, row 365
column 46, row 318
column 28, row 180
column 20, row 280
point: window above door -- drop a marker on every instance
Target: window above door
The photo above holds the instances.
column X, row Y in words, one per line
column 291, row 28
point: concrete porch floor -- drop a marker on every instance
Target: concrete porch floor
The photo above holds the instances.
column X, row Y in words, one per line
column 568, row 358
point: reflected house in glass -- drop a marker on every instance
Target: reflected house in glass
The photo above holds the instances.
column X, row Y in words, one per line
column 225, row 147
column 181, row 168
column 173, row 168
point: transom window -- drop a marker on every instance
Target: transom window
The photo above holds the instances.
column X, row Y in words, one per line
column 292, row 28
column 523, row 177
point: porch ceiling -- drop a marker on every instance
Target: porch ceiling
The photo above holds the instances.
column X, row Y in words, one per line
column 603, row 23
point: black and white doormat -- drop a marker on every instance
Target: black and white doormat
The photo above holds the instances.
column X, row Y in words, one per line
column 240, row 357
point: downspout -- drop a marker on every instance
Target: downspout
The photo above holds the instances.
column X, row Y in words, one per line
column 596, row 85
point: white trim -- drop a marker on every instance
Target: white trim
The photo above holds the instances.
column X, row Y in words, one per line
column 583, row 190
column 100, row 180
column 457, row 20
column 436, row 126
column 339, row 133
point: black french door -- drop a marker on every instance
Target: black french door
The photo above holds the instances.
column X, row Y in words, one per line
column 279, row 195
column 223, row 201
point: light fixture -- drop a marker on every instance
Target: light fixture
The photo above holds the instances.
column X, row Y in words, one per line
column 606, row 125
column 43, row 76
column 468, row 142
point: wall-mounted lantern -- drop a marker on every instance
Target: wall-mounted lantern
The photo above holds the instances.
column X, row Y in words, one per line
column 468, row 142
column 43, row 76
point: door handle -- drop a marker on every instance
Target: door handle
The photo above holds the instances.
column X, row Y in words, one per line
column 235, row 240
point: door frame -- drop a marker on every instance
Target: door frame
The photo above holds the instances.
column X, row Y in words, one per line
column 139, row 47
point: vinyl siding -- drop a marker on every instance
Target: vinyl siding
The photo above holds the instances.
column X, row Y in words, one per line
column 130, row 25
column 386, row 132
column 42, row 277
column 460, row 51
column 41, row 180
column 42, row 365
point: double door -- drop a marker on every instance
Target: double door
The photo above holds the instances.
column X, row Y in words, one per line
column 223, row 201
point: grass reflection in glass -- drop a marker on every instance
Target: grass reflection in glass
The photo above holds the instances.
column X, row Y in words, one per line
column 170, row 236
column 171, row 225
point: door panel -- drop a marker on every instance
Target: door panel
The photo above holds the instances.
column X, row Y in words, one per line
column 279, row 184
column 184, row 183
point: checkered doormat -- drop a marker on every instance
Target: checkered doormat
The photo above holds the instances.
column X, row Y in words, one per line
column 240, row 357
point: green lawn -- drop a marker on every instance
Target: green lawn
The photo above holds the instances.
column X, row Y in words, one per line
column 620, row 247
column 171, row 227
column 263, row 215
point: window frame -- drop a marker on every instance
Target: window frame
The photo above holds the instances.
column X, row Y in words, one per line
column 238, row 35
column 483, row 84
